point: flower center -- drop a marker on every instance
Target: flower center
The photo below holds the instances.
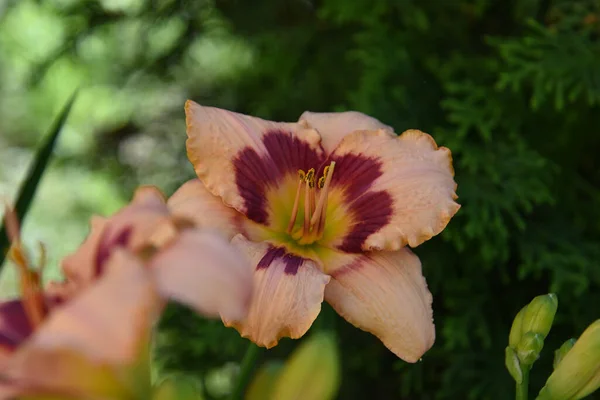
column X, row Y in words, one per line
column 315, row 211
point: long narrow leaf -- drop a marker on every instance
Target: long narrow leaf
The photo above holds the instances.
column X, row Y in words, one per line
column 35, row 173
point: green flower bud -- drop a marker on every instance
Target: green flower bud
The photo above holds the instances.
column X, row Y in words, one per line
column 312, row 372
column 177, row 388
column 562, row 351
column 539, row 315
column 516, row 331
column 530, row 347
column 578, row 373
column 262, row 386
column 511, row 360
column 536, row 317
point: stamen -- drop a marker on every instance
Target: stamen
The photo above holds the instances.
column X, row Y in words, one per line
column 321, row 225
column 322, row 204
column 302, row 177
column 30, row 280
column 30, row 286
column 310, row 186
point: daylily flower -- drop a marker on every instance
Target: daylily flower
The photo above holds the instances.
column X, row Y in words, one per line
column 324, row 208
column 88, row 337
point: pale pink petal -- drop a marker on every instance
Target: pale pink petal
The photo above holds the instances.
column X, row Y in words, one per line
column 78, row 267
column 201, row 269
column 91, row 344
column 146, row 220
column 395, row 190
column 194, row 202
column 386, row 294
column 333, row 126
column 241, row 158
column 288, row 292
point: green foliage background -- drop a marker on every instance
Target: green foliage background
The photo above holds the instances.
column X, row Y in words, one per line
column 511, row 87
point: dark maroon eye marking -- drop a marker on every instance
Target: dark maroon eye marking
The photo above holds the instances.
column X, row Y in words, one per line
column 14, row 324
column 254, row 174
column 109, row 242
column 291, row 262
column 355, row 173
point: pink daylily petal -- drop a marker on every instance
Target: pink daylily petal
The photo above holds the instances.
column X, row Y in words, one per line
column 239, row 158
column 397, row 190
column 86, row 348
column 386, row 294
column 194, row 202
column 333, row 127
column 146, row 220
column 288, row 292
column 203, row 270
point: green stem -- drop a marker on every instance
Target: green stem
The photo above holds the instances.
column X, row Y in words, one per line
column 523, row 388
column 246, row 370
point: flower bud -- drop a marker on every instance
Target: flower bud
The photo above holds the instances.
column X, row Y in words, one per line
column 539, row 315
column 312, row 372
column 530, row 347
column 562, row 351
column 262, row 386
column 177, row 388
column 578, row 373
column 516, row 331
column 511, row 360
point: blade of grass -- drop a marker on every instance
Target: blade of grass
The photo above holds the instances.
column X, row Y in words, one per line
column 35, row 173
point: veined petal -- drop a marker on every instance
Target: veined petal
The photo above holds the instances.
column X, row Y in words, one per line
column 194, row 202
column 288, row 292
column 146, row 220
column 396, row 190
column 333, row 127
column 91, row 346
column 203, row 270
column 384, row 293
column 257, row 153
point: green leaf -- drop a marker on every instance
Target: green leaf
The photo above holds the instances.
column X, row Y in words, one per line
column 34, row 176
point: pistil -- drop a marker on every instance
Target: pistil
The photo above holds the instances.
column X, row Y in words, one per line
column 308, row 193
column 302, row 178
column 322, row 204
column 314, row 211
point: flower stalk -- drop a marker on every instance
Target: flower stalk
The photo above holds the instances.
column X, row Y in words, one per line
column 252, row 355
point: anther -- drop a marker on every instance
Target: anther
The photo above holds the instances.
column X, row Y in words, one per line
column 322, row 203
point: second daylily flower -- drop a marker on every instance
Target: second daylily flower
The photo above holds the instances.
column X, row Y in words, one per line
column 88, row 337
column 324, row 209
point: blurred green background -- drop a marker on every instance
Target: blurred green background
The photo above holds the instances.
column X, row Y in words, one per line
column 511, row 87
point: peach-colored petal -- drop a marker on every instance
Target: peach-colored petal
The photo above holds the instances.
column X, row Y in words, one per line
column 288, row 292
column 384, row 293
column 146, row 220
column 194, row 202
column 203, row 270
column 239, row 157
column 396, row 190
column 89, row 346
column 334, row 126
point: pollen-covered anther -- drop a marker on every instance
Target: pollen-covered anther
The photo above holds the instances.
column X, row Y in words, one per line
column 314, row 211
